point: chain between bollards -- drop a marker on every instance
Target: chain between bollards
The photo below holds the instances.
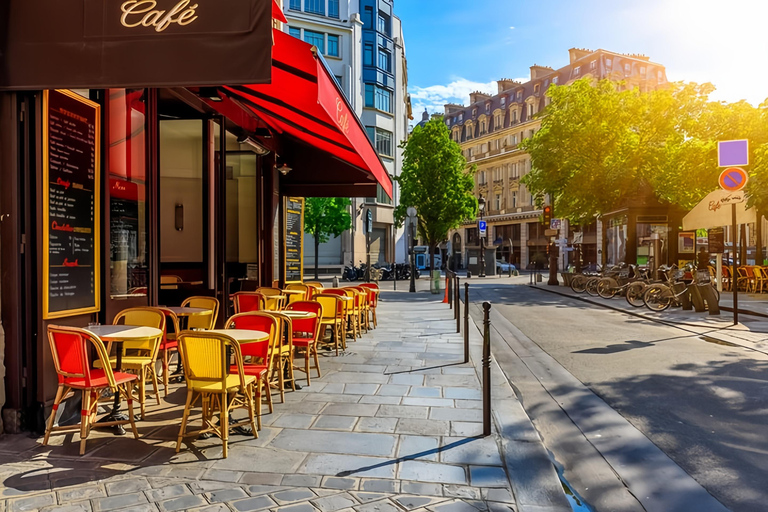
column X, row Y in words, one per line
column 457, row 301
column 466, row 322
column 486, row 368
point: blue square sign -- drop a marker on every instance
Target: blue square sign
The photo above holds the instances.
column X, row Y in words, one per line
column 482, row 225
column 732, row 153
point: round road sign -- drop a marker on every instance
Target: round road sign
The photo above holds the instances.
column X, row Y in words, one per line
column 733, row 178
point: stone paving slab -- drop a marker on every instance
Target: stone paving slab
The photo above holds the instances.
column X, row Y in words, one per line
column 388, row 427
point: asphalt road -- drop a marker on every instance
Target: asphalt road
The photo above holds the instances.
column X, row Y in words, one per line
column 704, row 405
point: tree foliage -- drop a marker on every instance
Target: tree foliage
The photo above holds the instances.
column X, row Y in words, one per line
column 600, row 142
column 436, row 181
column 326, row 216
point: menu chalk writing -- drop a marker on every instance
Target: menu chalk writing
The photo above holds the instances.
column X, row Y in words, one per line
column 71, row 195
column 294, row 239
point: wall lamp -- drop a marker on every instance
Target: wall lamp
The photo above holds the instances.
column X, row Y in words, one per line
column 284, row 169
column 257, row 147
column 179, row 222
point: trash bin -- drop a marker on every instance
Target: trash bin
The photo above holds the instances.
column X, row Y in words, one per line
column 434, row 283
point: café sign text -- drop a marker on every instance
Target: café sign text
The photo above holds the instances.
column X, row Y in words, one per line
column 144, row 13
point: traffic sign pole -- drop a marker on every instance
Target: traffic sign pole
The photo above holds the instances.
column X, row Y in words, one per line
column 734, row 278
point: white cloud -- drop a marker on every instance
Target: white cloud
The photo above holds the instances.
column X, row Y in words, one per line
column 511, row 28
column 434, row 97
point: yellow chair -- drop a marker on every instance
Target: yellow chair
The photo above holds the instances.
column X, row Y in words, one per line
column 206, row 368
column 295, row 297
column 333, row 317
column 169, row 343
column 169, row 280
column 139, row 356
column 275, row 298
column 284, row 362
column 314, row 289
column 364, row 308
column 351, row 312
column 761, row 277
column 206, row 321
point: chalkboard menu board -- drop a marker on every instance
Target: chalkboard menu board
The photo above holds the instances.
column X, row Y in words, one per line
column 716, row 240
column 294, row 239
column 71, row 139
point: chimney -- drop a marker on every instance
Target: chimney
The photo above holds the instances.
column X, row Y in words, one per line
column 506, row 84
column 451, row 108
column 476, row 96
column 539, row 71
column 577, row 53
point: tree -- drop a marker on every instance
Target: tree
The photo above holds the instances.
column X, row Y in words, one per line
column 326, row 216
column 436, row 181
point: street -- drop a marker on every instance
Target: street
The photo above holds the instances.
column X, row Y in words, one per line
column 703, row 404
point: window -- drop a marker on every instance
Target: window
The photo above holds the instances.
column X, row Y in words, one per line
column 315, row 39
column 371, row 131
column 498, row 202
column 383, row 24
column 383, row 142
column 519, row 95
column 339, row 80
column 368, row 54
column 608, row 63
column 482, row 128
column 554, row 80
column 503, row 101
column 461, row 116
column 314, row 6
column 474, row 112
column 659, row 76
column 333, row 45
column 536, row 88
column 546, row 83
column 368, row 18
column 487, row 108
column 481, row 176
column 381, row 196
column 295, row 5
column 333, row 8
column 378, row 97
column 577, row 70
column 514, row 199
column 593, row 65
column 514, row 116
column 530, row 110
column 295, row 32
column 627, row 68
column 385, row 60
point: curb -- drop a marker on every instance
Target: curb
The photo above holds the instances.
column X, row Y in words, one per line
column 533, row 477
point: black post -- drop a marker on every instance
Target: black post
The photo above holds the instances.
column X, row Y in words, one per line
column 457, row 301
column 448, row 288
column 734, row 274
column 412, row 289
column 466, row 322
column 486, row 369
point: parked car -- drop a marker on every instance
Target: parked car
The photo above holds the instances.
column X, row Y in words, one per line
column 502, row 267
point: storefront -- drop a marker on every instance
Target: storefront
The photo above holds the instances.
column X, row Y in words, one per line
column 124, row 182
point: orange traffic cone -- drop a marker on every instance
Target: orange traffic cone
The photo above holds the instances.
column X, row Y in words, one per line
column 445, row 298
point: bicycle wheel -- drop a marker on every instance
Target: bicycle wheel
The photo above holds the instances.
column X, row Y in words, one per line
column 578, row 283
column 634, row 294
column 657, row 297
column 591, row 287
column 606, row 288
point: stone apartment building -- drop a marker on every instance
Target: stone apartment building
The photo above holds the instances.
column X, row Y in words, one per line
column 490, row 130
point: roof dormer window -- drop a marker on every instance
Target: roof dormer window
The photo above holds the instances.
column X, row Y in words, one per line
column 593, row 65
column 577, row 70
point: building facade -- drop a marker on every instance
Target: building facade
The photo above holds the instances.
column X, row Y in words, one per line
column 362, row 42
column 490, row 130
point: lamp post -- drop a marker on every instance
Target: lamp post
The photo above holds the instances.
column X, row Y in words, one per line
column 481, row 209
column 411, row 223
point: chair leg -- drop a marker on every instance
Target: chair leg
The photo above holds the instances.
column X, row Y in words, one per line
column 307, row 355
column 184, row 418
column 375, row 320
column 52, row 419
column 224, row 421
column 142, row 392
column 152, row 374
column 317, row 360
column 86, row 394
column 165, row 372
column 281, row 378
column 257, row 404
column 129, row 401
column 249, row 395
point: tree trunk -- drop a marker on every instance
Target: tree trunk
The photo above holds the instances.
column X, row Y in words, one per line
column 317, row 250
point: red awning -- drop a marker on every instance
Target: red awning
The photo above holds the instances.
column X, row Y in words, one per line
column 322, row 139
column 277, row 13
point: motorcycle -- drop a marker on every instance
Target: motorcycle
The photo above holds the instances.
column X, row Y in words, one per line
column 349, row 273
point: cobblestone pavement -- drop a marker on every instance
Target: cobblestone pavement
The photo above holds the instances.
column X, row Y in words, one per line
column 390, row 427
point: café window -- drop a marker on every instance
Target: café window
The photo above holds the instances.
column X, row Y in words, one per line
column 316, row 39
column 126, row 164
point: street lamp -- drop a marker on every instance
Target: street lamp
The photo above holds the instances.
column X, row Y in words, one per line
column 411, row 223
column 481, row 209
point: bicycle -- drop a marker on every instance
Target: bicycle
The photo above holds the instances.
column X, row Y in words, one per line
column 634, row 292
column 660, row 296
column 608, row 287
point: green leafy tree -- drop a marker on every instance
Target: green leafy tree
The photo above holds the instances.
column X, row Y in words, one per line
column 436, row 181
column 326, row 216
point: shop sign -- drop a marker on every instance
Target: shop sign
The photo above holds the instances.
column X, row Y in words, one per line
column 294, row 240
column 134, row 43
column 71, row 185
column 716, row 240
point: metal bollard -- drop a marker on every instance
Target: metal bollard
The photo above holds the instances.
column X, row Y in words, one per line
column 448, row 288
column 466, row 322
column 457, row 300
column 486, row 368
column 510, row 270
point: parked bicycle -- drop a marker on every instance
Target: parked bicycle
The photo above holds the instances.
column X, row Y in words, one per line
column 660, row 296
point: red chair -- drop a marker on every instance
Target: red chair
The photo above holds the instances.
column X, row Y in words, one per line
column 373, row 299
column 260, row 354
column 249, row 301
column 71, row 350
column 306, row 332
column 169, row 343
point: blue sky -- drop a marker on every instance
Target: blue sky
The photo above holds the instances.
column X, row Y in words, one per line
column 456, row 46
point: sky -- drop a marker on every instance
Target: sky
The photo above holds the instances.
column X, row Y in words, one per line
column 454, row 47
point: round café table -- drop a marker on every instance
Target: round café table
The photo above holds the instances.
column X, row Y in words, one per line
column 118, row 334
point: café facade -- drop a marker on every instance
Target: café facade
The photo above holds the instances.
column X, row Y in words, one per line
column 152, row 150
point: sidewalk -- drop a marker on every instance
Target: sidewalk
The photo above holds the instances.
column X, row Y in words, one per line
column 388, row 428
